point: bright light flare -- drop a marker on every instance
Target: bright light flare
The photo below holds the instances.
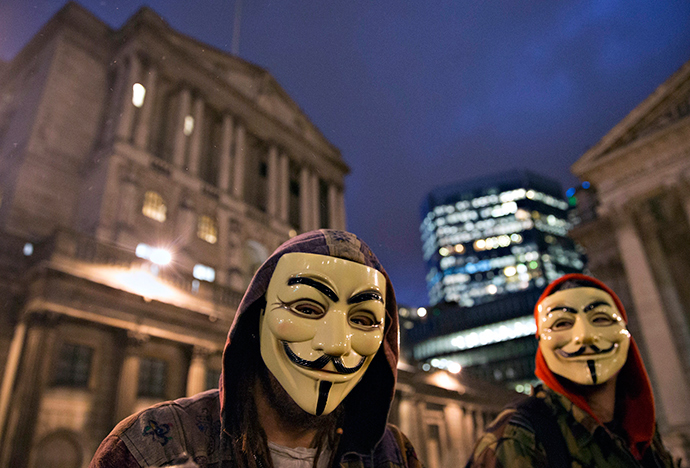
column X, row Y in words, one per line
column 160, row 257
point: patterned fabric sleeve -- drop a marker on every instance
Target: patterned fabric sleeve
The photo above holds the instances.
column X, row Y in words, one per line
column 113, row 453
column 409, row 454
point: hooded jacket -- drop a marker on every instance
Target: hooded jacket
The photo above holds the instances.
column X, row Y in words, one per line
column 196, row 427
column 562, row 430
column 638, row 400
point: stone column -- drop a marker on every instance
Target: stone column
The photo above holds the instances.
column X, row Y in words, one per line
column 316, row 202
column 143, row 129
column 26, row 401
column 196, row 376
column 453, row 417
column 225, row 154
column 195, row 142
column 667, row 289
column 180, row 138
column 115, row 102
column 186, row 222
column 128, row 197
column 124, row 128
column 341, row 210
column 273, row 200
column 283, row 187
column 305, row 199
column 333, row 208
column 10, row 374
column 223, row 240
column 672, row 392
column 238, row 176
column 128, row 383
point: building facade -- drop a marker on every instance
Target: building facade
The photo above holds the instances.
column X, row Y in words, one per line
column 635, row 226
column 491, row 246
column 144, row 176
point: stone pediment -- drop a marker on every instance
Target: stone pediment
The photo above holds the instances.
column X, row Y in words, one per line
column 668, row 104
column 251, row 81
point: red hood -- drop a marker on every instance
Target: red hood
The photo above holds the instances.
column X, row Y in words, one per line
column 633, row 383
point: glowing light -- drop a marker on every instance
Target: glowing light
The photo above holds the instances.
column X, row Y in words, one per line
column 421, row 312
column 156, row 255
column 403, row 312
column 570, row 192
column 509, row 271
column 138, row 94
column 28, row 249
column 459, row 248
column 480, row 244
column 454, row 367
column 160, row 256
column 426, row 367
column 585, row 185
column 444, row 251
column 292, row 233
column 492, row 289
column 188, row 125
column 204, row 273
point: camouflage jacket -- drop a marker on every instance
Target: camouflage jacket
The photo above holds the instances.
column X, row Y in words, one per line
column 509, row 441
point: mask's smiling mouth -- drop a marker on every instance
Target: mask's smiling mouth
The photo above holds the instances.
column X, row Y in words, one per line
column 588, row 351
column 320, row 363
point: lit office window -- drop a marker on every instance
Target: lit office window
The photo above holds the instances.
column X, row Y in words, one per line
column 207, row 229
column 188, row 127
column 138, row 94
column 73, row 366
column 204, row 273
column 154, row 206
column 152, row 378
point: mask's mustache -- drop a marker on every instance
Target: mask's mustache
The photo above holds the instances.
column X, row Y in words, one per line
column 321, row 362
column 582, row 350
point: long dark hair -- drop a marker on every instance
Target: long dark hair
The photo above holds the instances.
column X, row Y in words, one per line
column 245, row 438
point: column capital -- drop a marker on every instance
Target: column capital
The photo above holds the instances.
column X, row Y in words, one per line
column 136, row 338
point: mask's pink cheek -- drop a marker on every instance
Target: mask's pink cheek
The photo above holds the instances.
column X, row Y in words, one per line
column 286, row 326
column 366, row 343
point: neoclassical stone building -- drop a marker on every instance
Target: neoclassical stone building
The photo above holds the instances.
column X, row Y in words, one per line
column 635, row 226
column 144, row 176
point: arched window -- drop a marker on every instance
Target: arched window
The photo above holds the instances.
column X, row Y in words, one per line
column 207, row 229
column 154, row 206
column 59, row 449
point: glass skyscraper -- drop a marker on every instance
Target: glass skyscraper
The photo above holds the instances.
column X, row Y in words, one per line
column 491, row 246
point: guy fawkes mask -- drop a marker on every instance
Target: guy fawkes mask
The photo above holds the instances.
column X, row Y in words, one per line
column 582, row 335
column 323, row 324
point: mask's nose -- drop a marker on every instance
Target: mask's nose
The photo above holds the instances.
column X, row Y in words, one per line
column 333, row 335
column 583, row 333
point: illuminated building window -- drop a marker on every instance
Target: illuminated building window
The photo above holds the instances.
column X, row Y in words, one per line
column 207, row 229
column 74, row 366
column 204, row 273
column 138, row 94
column 188, row 127
column 154, row 206
column 152, row 378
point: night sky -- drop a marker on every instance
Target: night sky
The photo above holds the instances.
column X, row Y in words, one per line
column 427, row 93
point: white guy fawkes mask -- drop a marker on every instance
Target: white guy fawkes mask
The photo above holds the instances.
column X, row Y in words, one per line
column 323, row 324
column 582, row 335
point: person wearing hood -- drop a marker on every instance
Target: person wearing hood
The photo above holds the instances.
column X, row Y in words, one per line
column 308, row 376
column 595, row 408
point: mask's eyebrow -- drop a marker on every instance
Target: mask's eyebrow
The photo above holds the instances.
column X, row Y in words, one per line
column 563, row 308
column 596, row 304
column 365, row 296
column 321, row 287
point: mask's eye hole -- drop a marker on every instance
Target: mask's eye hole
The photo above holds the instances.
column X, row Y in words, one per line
column 363, row 320
column 602, row 320
column 308, row 309
column 561, row 324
